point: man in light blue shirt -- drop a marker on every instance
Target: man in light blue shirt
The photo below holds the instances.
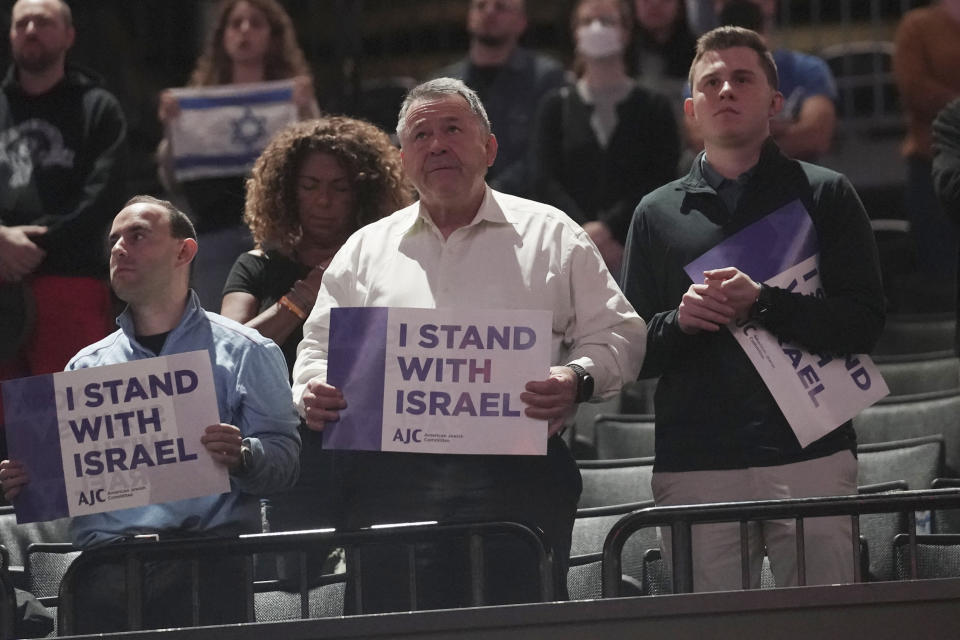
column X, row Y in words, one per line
column 152, row 246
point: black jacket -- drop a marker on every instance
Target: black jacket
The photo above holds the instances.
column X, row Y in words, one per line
column 62, row 157
column 713, row 409
column 589, row 182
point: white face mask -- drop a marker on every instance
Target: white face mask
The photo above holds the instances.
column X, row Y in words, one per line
column 597, row 40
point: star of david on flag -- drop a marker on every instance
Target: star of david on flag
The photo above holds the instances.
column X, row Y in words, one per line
column 222, row 130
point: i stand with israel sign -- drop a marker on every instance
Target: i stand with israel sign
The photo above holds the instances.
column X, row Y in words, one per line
column 113, row 437
column 221, row 130
column 816, row 392
column 437, row 380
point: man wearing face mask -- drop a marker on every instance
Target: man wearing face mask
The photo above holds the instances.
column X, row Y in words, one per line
column 510, row 80
column 601, row 145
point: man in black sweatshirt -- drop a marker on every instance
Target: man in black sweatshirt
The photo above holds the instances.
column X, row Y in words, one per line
column 62, row 144
column 720, row 435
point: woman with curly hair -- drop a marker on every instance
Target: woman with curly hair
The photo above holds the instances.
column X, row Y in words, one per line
column 315, row 184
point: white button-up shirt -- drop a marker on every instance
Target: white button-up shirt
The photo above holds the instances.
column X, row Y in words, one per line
column 515, row 254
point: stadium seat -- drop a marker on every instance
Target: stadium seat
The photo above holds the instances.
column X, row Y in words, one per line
column 936, row 413
column 938, row 556
column 621, row 436
column 945, row 520
column 913, row 336
column 324, row 601
column 583, row 431
column 916, row 461
column 910, row 377
column 615, row 482
column 877, row 532
column 590, row 529
column 637, row 396
column 18, row 537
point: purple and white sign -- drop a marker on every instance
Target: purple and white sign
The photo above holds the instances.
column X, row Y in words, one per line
column 437, row 380
column 113, row 437
column 816, row 393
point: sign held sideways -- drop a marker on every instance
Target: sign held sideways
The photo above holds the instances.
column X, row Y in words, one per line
column 816, row 392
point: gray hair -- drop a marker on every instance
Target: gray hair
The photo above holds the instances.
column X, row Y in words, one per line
column 440, row 88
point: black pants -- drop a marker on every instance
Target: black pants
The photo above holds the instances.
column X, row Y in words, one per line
column 541, row 491
column 101, row 595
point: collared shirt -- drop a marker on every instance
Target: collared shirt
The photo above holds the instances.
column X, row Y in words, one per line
column 250, row 378
column 728, row 190
column 515, row 254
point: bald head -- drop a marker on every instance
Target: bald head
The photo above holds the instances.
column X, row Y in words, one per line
column 61, row 7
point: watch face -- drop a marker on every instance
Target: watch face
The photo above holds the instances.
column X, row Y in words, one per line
column 587, row 388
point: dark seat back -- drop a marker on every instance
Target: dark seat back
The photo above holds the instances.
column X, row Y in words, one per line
column 590, row 529
column 938, row 556
column 916, row 416
column 624, row 435
column 615, row 482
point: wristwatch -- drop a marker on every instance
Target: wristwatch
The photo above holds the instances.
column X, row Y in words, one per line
column 246, row 458
column 764, row 302
column 584, row 383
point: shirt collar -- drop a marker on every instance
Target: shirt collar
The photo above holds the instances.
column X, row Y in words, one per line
column 489, row 211
column 125, row 319
column 714, row 179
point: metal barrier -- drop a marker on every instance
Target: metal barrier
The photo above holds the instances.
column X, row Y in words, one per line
column 680, row 519
column 134, row 554
column 846, row 13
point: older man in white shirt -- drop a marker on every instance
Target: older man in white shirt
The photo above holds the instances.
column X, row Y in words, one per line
column 464, row 245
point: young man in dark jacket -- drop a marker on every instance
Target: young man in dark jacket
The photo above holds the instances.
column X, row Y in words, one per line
column 720, row 435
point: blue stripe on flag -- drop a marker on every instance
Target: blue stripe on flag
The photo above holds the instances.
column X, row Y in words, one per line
column 240, row 100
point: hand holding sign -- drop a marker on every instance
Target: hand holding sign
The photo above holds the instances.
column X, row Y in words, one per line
column 739, row 289
column 13, row 476
column 553, row 399
column 321, row 404
column 703, row 308
column 224, row 442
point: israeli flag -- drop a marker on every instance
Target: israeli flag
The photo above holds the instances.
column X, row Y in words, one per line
column 221, row 130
